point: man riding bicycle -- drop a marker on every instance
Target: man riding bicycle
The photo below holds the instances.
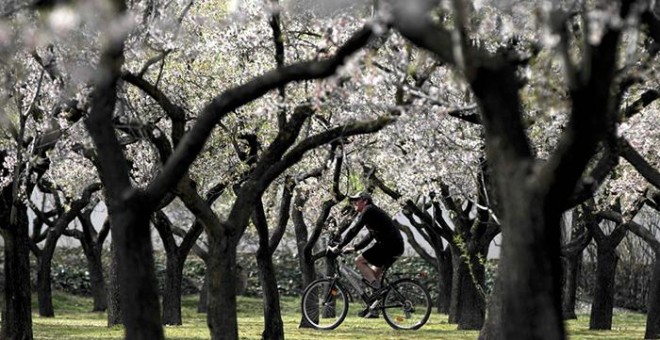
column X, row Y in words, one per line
column 389, row 243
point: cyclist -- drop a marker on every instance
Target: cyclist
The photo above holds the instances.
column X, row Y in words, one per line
column 388, row 247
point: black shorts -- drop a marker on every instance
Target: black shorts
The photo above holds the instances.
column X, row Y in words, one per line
column 381, row 255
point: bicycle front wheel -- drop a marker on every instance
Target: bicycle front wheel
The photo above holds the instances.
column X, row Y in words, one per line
column 407, row 305
column 324, row 304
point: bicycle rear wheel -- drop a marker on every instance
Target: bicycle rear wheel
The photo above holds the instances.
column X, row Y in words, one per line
column 324, row 304
column 407, row 305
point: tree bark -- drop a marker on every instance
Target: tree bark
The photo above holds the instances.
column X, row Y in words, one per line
column 305, row 260
column 172, row 292
column 221, row 316
column 202, row 304
column 138, row 290
column 96, row 279
column 653, row 314
column 273, row 328
column 570, row 270
column 114, row 306
column 92, row 245
column 468, row 303
column 444, row 260
column 44, row 293
column 603, row 299
column 492, row 329
column 17, row 312
column 543, row 268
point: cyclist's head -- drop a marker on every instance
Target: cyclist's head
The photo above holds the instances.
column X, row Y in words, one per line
column 360, row 200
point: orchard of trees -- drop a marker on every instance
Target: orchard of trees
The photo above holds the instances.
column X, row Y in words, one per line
column 534, row 121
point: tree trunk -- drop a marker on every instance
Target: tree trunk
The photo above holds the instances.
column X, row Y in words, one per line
column 172, row 293
column 603, row 299
column 492, row 329
column 308, row 276
column 529, row 268
column 653, row 315
column 221, row 316
column 468, row 303
column 444, row 263
column 570, row 271
column 273, row 328
column 96, row 278
column 44, row 293
column 17, row 320
column 138, row 286
column 114, row 305
column 305, row 260
column 202, row 305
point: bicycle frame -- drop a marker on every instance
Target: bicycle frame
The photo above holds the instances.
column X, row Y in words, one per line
column 343, row 271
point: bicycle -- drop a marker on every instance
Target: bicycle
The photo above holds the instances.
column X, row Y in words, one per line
column 405, row 303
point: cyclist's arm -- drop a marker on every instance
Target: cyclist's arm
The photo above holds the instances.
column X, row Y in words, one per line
column 364, row 242
column 352, row 231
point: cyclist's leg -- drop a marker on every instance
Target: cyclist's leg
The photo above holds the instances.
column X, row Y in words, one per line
column 365, row 268
column 384, row 259
column 377, row 257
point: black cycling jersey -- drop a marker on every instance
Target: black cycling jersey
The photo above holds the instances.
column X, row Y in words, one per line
column 380, row 226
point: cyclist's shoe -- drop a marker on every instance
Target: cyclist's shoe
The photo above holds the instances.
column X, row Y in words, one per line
column 367, row 313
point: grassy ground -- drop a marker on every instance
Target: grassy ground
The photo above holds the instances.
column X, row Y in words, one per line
column 74, row 322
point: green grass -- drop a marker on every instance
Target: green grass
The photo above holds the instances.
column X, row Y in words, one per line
column 73, row 321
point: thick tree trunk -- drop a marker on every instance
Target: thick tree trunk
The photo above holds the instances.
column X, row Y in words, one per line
column 172, row 293
column 44, row 293
column 114, row 305
column 221, row 316
column 653, row 314
column 492, row 329
column 570, row 269
column 273, row 328
column 603, row 299
column 468, row 303
column 138, row 287
column 530, row 267
column 17, row 313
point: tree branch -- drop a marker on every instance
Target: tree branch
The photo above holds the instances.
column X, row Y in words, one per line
column 193, row 142
column 641, row 165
